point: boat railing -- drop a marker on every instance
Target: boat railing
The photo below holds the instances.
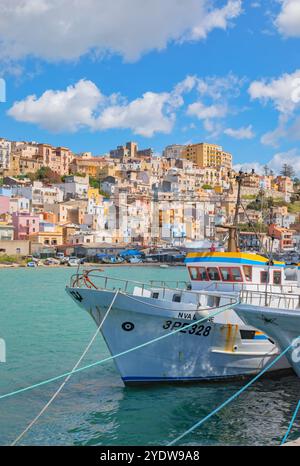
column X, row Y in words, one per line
column 278, row 300
column 93, row 280
column 259, row 287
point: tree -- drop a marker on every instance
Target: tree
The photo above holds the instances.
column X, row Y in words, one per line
column 47, row 175
column 287, row 170
column 266, row 170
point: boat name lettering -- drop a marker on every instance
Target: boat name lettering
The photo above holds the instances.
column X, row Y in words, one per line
column 196, row 329
column 186, row 315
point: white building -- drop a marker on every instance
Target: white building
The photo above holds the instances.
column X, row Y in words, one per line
column 5, row 151
column 19, row 204
column 38, row 194
column 173, row 151
column 75, row 187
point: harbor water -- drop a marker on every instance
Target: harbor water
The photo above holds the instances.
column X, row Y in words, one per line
column 45, row 333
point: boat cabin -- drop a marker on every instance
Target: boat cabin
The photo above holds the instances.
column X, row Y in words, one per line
column 230, row 271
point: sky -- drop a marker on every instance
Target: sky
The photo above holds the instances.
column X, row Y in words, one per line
column 94, row 74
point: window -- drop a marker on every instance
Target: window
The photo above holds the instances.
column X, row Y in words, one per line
column 176, row 298
column 247, row 334
column 155, row 295
column 213, row 273
column 277, row 277
column 264, row 277
column 236, row 274
column 248, row 272
column 231, row 274
column 225, row 272
column 198, row 273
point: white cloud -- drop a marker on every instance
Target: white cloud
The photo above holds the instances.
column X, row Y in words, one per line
column 67, row 29
column 83, row 105
column 203, row 112
column 217, row 87
column 271, row 138
column 288, row 20
column 245, row 132
column 144, row 116
column 60, row 111
column 213, row 102
column 283, row 92
column 248, row 166
column 291, row 157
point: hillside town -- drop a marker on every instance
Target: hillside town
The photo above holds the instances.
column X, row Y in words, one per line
column 53, row 200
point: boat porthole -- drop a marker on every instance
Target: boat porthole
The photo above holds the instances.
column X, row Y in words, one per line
column 127, row 326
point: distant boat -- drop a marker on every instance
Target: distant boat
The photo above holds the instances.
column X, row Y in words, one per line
column 164, row 266
column 135, row 259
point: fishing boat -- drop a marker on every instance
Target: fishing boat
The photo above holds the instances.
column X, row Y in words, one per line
column 138, row 320
column 223, row 347
column 279, row 318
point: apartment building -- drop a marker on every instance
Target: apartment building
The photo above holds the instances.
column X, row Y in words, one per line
column 25, row 224
column 57, row 159
column 208, row 155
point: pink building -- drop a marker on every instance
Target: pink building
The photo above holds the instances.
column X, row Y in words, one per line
column 25, row 224
column 4, row 205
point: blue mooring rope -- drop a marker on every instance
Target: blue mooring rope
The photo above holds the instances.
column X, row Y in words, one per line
column 291, row 423
column 233, row 397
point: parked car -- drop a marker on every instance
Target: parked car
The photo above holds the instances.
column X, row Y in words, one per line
column 51, row 261
column 73, row 261
column 32, row 264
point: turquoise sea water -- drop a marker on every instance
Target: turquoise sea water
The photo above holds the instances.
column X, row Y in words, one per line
column 45, row 333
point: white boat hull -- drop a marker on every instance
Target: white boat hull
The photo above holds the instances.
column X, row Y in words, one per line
column 212, row 350
column 282, row 325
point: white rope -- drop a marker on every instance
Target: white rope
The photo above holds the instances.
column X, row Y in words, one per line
column 68, row 376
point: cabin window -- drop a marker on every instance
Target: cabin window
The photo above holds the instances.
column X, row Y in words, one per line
column 193, row 273
column 277, row 277
column 202, row 275
column 231, row 274
column 236, row 274
column 198, row 273
column 155, row 295
column 248, row 272
column 264, row 277
column 213, row 273
column 225, row 272
column 247, row 334
column 176, row 298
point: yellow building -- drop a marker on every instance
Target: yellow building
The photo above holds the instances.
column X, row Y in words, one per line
column 93, row 193
column 47, row 238
column 88, row 165
column 207, row 155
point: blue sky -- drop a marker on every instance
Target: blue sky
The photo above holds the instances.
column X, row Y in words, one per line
column 154, row 72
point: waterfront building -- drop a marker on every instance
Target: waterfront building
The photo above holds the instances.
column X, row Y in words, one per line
column 25, row 224
column 6, row 232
